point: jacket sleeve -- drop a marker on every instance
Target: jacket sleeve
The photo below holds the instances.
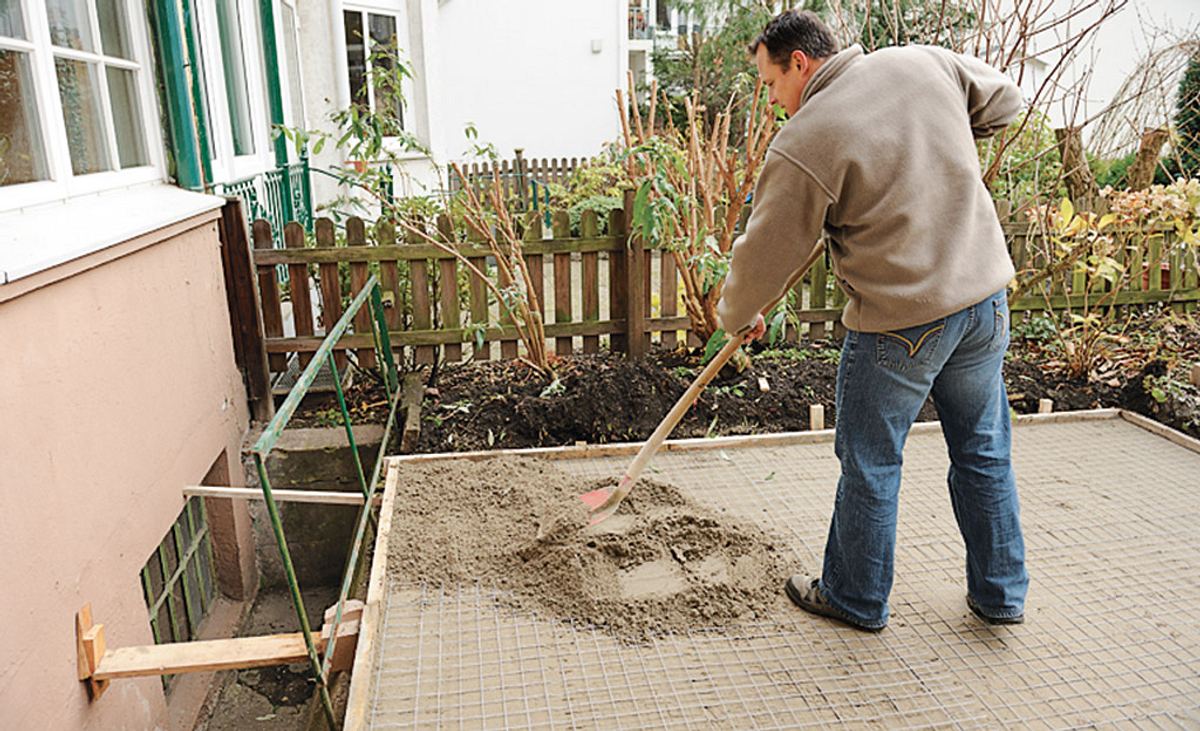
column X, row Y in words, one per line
column 993, row 100
column 784, row 227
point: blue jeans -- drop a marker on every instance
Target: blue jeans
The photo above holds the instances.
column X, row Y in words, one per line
column 883, row 380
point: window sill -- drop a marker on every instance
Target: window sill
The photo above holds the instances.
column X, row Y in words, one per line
column 38, row 238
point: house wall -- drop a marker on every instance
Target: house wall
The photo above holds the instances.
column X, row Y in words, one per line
column 525, row 73
column 118, row 388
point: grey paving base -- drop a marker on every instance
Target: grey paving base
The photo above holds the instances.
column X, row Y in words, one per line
column 1112, row 520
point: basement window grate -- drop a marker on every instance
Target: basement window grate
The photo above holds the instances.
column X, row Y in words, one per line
column 178, row 578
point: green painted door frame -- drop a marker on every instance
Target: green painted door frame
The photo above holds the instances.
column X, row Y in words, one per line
column 275, row 101
column 181, row 117
column 199, row 98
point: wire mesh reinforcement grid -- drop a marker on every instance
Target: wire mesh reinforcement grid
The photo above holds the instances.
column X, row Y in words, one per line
column 1111, row 515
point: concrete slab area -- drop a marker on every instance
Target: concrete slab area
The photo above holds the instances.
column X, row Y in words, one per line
column 1112, row 519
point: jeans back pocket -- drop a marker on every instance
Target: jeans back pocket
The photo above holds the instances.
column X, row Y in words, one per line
column 900, row 350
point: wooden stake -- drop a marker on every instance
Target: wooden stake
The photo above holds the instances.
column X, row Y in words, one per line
column 816, row 417
column 90, row 647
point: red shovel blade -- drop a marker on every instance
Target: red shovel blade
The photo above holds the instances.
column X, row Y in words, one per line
column 595, row 498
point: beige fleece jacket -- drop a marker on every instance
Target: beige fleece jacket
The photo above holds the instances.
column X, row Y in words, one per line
column 881, row 155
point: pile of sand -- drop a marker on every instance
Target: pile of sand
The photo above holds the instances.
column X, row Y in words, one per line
column 661, row 564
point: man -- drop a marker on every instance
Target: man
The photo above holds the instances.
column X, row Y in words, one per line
column 879, row 152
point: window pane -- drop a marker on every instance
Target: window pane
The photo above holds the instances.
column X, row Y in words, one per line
column 295, row 93
column 127, row 117
column 79, row 87
column 22, row 159
column 113, row 34
column 11, row 24
column 233, row 61
column 356, row 57
column 383, row 51
column 69, row 26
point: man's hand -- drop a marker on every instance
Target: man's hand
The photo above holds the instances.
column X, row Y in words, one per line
column 757, row 330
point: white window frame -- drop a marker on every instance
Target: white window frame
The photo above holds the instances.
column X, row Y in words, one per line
column 285, row 72
column 62, row 183
column 399, row 13
column 227, row 167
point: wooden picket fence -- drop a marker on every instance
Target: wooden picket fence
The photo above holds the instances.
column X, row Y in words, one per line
column 519, row 175
column 596, row 291
column 1158, row 273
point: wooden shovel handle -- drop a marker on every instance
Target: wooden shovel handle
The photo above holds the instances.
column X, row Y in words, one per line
column 667, row 425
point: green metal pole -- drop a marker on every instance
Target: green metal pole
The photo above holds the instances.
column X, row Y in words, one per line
column 360, row 534
column 180, row 116
column 289, row 570
column 341, row 400
column 383, row 342
column 275, row 101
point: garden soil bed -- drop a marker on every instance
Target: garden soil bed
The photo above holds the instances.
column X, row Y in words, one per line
column 606, row 398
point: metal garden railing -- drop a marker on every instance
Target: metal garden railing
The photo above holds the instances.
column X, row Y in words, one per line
column 371, row 292
column 279, row 196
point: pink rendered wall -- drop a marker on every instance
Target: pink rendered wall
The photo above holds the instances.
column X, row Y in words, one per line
column 117, row 388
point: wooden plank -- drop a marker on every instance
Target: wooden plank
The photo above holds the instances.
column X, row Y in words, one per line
column 1060, row 302
column 320, row 497
column 817, row 289
column 268, row 292
column 331, row 287
column 535, row 262
column 779, row 439
column 839, row 302
column 1154, row 273
column 508, row 345
column 298, row 286
column 562, row 283
column 479, row 308
column 429, row 251
column 203, row 656
column 589, row 226
column 360, row 272
column 362, row 676
column 1191, row 277
column 1162, row 430
column 636, row 334
column 245, row 318
column 441, row 337
column 422, row 312
column 618, row 280
column 413, row 395
column 448, row 292
column 668, row 294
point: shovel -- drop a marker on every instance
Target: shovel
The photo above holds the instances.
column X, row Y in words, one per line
column 604, row 502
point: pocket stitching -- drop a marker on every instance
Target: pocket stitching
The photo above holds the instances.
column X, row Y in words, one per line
column 914, row 348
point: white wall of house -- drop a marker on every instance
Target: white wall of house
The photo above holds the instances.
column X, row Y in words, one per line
column 535, row 74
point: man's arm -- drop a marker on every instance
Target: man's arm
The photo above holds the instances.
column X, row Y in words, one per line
column 784, row 227
column 993, row 100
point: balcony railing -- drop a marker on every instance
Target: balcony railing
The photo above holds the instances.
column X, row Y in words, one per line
column 279, row 196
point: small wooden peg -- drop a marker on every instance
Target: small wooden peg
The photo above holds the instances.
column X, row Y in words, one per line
column 816, row 417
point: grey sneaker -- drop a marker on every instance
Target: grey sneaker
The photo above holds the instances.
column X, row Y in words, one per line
column 805, row 592
column 978, row 612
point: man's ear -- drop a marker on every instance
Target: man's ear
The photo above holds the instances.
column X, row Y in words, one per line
column 800, row 60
